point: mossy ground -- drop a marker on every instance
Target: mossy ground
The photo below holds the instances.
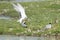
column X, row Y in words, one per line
column 39, row 14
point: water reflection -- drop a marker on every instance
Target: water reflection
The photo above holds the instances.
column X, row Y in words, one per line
column 9, row 37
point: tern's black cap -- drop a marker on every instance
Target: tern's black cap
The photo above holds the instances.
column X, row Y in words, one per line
column 49, row 23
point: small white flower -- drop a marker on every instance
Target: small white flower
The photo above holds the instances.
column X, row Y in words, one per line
column 38, row 30
column 37, row 5
column 29, row 30
column 26, row 7
column 5, row 10
column 17, row 33
column 56, row 21
column 34, row 32
column 10, row 29
column 25, row 31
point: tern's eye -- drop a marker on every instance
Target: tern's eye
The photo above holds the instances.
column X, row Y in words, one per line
column 24, row 23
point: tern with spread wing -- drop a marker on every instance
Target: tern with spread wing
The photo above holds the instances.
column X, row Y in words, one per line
column 19, row 8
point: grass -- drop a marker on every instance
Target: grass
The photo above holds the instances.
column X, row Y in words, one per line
column 39, row 14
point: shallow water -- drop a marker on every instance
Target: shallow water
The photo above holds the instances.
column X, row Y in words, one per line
column 11, row 37
column 28, row 0
column 5, row 17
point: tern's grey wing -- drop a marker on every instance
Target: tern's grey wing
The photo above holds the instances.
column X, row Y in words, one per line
column 20, row 7
column 15, row 7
